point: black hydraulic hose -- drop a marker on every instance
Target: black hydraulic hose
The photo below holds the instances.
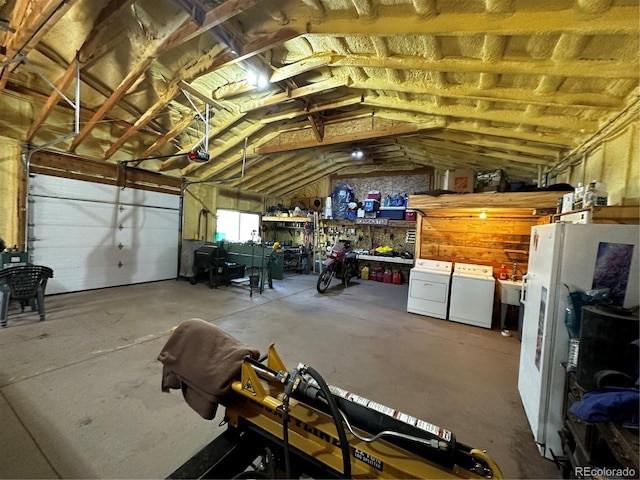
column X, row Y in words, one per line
column 333, row 408
column 285, row 428
column 285, row 440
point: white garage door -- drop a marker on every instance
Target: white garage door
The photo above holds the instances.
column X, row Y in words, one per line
column 94, row 235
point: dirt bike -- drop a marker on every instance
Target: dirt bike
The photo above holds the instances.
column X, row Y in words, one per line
column 342, row 264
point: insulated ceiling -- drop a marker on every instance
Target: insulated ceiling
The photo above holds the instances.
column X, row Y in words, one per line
column 280, row 92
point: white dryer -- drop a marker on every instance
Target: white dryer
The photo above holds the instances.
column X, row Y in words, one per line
column 472, row 291
column 429, row 286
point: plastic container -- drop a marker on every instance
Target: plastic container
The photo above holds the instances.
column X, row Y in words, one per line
column 387, row 276
column 578, row 196
column 371, row 205
column 396, row 278
column 392, row 213
column 502, row 274
column 595, row 195
column 374, row 195
column 373, row 275
column 364, row 273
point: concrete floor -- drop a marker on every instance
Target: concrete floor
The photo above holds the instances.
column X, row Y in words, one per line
column 80, row 392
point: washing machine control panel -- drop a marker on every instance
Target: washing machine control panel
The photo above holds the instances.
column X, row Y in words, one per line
column 473, row 269
column 435, row 265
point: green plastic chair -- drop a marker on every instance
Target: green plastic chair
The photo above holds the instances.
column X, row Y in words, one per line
column 25, row 283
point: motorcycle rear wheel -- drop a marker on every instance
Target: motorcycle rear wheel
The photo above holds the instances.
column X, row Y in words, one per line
column 350, row 272
column 323, row 281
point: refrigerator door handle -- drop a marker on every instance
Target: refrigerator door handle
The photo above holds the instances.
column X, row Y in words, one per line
column 523, row 290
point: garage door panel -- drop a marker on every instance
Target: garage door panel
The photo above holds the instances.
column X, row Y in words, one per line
column 91, row 243
column 58, row 211
column 59, row 236
column 66, row 279
column 67, row 188
column 147, row 198
column 106, row 265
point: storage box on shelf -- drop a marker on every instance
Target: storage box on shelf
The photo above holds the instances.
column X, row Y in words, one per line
column 460, row 180
column 392, row 213
column 629, row 215
column 371, row 205
column 493, row 181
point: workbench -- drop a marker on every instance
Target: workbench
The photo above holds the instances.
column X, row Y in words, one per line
column 403, row 265
column 256, row 258
column 383, row 259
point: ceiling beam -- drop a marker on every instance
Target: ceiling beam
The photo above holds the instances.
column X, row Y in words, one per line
column 317, row 87
column 344, row 101
column 191, row 73
column 316, row 127
column 385, row 131
column 557, row 122
column 614, row 21
column 517, row 96
column 312, row 62
column 529, row 66
column 180, row 36
column 30, row 23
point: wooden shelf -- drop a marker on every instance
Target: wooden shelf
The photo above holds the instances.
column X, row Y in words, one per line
column 508, row 200
column 391, row 223
column 380, row 258
column 287, row 219
column 601, row 214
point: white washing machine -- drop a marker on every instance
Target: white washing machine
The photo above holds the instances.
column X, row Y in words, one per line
column 472, row 290
column 429, row 286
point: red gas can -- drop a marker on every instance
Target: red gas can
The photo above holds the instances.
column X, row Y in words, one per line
column 380, row 274
column 387, row 276
column 397, row 278
column 373, row 275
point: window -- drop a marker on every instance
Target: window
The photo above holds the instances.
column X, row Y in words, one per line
column 234, row 226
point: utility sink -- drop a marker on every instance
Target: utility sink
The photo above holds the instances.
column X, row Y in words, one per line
column 510, row 291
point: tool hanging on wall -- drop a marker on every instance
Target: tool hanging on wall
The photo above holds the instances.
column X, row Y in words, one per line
column 203, row 213
column 307, row 236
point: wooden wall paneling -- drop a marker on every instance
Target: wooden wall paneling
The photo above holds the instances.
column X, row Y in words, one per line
column 473, row 240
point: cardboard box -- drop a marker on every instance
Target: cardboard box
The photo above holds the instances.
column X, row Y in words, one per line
column 567, row 202
column 460, row 180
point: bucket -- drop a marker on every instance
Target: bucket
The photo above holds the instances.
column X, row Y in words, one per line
column 364, row 273
column 254, row 280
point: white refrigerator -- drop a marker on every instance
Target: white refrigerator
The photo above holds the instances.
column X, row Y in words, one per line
column 582, row 257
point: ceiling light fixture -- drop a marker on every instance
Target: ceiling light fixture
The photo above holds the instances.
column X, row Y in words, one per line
column 357, row 154
column 259, row 80
column 483, row 214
